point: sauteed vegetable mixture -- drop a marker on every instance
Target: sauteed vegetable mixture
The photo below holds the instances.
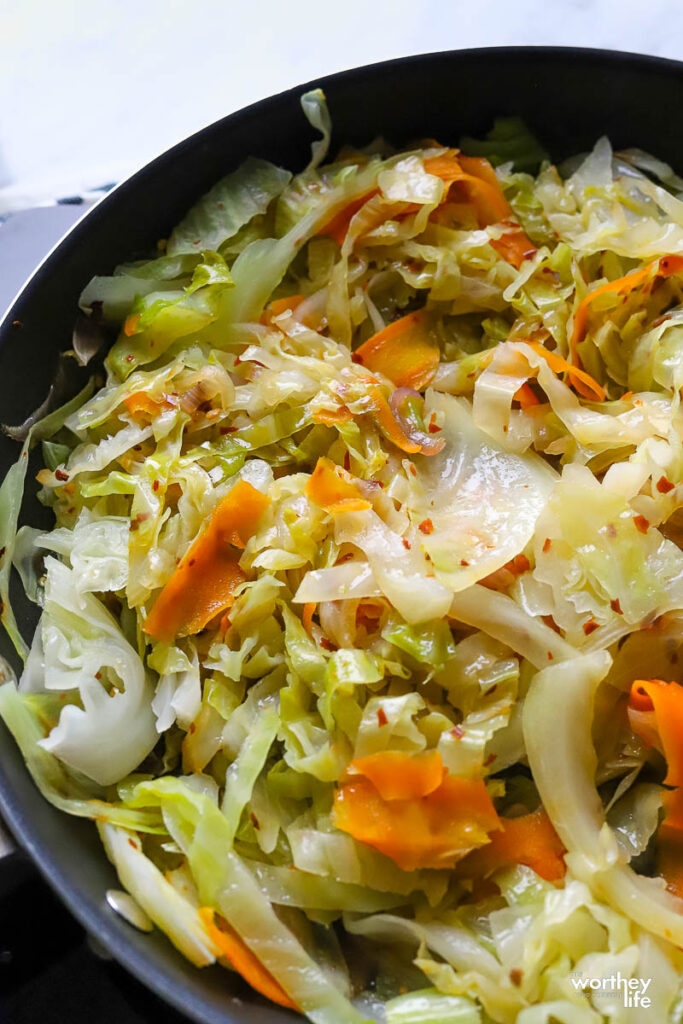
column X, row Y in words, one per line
column 361, row 635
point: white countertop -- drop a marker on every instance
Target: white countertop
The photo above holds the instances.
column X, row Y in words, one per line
column 92, row 89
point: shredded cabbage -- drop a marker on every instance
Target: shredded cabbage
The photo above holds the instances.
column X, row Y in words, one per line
column 368, row 553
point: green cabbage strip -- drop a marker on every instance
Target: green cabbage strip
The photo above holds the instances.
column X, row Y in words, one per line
column 560, row 747
column 258, row 270
column 53, row 780
column 176, row 916
column 431, row 1007
column 11, row 495
column 224, row 882
column 503, row 619
column 230, row 204
column 244, row 771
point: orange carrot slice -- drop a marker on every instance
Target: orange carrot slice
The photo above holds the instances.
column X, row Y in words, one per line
column 581, row 381
column 662, row 703
column 530, row 840
column 140, row 403
column 332, row 417
column 333, row 489
column 426, row 831
column 396, row 776
column 655, row 711
column 665, row 266
column 204, row 582
column 307, row 616
column 526, row 397
column 278, row 306
column 246, row 963
column 403, row 351
column 481, row 185
column 514, row 247
column 338, row 226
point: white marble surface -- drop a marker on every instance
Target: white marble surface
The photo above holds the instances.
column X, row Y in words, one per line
column 90, row 89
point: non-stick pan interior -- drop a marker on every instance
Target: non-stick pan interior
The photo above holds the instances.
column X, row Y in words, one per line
column 568, row 98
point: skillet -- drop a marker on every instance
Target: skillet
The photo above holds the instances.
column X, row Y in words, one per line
column 568, row 97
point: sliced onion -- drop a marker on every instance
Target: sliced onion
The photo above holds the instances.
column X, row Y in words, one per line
column 429, row 444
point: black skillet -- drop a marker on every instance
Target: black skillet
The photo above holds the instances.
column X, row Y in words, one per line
column 567, row 96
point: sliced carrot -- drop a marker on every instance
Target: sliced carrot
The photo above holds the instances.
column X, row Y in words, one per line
column 246, row 963
column 665, row 266
column 581, row 381
column 530, row 840
column 204, row 582
column 334, row 489
column 427, row 831
column 663, row 704
column 141, row 403
column 404, row 351
column 483, row 190
column 514, row 247
column 526, row 397
column 398, row 776
column 338, row 226
column 307, row 616
column 445, row 166
column 331, row 417
column 655, row 711
column 670, row 842
column 278, row 306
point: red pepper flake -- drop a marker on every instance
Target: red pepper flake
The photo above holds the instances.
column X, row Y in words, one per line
column 516, row 976
column 192, row 561
column 347, row 462
column 457, row 732
column 615, row 606
column 611, row 530
column 130, row 358
column 155, row 485
column 664, row 485
column 546, row 544
column 426, row 527
column 434, row 427
column 193, row 728
column 590, row 626
column 133, row 844
column 140, row 518
column 98, row 675
column 489, row 760
column 327, row 645
column 355, row 358
column 381, row 717
column 505, row 428
column 61, row 475
column 551, row 656
column 254, row 820
column 641, row 523
column 464, row 562
column 406, row 543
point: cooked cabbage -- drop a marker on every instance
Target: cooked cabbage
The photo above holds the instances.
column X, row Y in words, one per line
column 360, row 621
